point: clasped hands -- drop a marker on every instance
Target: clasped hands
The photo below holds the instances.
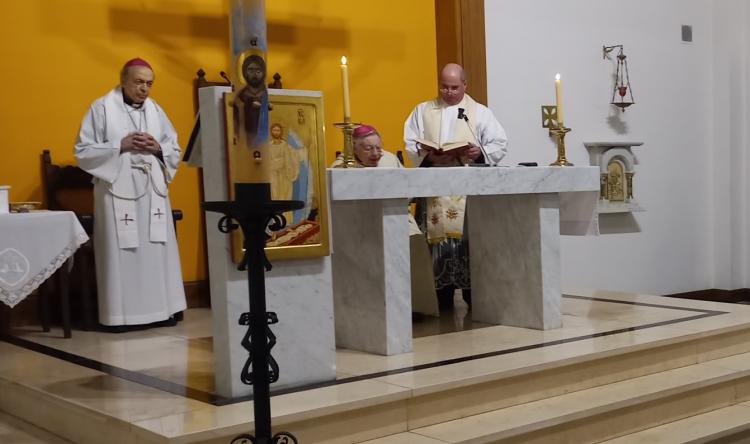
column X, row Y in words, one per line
column 140, row 142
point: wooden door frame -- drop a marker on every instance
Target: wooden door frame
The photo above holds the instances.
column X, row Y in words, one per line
column 460, row 38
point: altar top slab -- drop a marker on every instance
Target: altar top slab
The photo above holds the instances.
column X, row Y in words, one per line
column 393, row 183
column 590, row 145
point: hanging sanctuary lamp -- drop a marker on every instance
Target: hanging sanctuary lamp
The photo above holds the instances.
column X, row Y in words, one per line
column 622, row 93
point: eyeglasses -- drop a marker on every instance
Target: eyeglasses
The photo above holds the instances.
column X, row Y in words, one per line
column 369, row 148
column 451, row 89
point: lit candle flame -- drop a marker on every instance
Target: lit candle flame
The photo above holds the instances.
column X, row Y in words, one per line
column 557, row 76
column 343, row 61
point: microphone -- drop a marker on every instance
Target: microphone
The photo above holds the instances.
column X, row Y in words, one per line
column 465, row 118
column 226, row 77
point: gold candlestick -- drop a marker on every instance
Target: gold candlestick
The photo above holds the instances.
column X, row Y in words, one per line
column 348, row 128
column 560, row 133
column 551, row 120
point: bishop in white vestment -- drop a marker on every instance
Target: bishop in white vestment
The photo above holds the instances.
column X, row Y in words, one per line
column 368, row 150
column 452, row 117
column 128, row 144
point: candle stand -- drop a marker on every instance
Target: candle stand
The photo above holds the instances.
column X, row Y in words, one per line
column 560, row 134
column 348, row 127
column 558, row 130
column 253, row 211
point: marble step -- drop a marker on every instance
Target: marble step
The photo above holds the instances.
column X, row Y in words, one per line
column 444, row 394
column 604, row 412
column 16, row 431
column 436, row 400
column 728, row 424
column 434, row 397
column 82, row 404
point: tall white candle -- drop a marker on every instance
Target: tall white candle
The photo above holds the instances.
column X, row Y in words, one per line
column 558, row 99
column 345, row 86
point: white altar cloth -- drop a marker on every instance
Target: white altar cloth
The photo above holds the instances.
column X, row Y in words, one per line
column 32, row 247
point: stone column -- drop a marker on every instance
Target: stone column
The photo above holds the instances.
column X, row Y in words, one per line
column 515, row 259
column 371, row 275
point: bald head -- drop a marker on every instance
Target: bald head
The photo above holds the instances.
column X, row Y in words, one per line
column 452, row 84
column 453, row 70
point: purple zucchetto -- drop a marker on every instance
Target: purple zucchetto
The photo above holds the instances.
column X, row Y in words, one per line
column 364, row 131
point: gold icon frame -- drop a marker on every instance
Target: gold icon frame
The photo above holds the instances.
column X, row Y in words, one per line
column 299, row 113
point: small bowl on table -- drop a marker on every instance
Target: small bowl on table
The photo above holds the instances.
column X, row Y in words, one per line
column 24, row 207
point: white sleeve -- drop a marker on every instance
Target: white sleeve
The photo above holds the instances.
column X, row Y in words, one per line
column 96, row 155
column 170, row 149
column 412, row 131
column 492, row 136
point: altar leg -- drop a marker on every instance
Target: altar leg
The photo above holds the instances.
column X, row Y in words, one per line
column 371, row 275
column 514, row 242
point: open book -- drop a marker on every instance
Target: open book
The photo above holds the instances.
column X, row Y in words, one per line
column 442, row 147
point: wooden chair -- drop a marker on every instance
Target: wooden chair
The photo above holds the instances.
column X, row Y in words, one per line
column 69, row 188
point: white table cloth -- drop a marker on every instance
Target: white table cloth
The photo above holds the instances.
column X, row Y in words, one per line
column 32, row 247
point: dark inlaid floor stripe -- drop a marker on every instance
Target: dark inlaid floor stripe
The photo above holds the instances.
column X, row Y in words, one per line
column 129, row 375
column 211, row 398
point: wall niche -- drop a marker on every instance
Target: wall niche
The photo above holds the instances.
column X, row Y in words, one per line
column 616, row 163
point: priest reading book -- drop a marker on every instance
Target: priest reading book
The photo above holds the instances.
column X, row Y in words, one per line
column 451, row 116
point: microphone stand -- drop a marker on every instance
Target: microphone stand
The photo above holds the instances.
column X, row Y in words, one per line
column 481, row 148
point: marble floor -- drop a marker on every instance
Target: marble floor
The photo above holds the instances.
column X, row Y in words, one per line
column 161, row 380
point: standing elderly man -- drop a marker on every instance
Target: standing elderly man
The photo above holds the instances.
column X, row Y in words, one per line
column 128, row 144
column 451, row 117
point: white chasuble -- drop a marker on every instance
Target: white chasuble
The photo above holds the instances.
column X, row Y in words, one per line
column 486, row 130
column 139, row 279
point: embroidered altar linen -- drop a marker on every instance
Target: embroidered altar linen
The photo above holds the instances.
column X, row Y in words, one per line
column 32, row 247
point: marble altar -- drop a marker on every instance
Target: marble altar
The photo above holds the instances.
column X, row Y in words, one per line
column 299, row 291
column 515, row 218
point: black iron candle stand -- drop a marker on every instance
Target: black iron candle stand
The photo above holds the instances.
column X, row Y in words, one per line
column 254, row 212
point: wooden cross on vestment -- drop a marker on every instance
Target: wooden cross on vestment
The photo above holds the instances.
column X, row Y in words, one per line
column 158, row 213
column 126, row 219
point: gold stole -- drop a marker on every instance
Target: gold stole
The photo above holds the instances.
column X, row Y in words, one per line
column 445, row 214
column 433, row 121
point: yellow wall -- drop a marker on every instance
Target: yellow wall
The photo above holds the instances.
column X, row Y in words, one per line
column 60, row 55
